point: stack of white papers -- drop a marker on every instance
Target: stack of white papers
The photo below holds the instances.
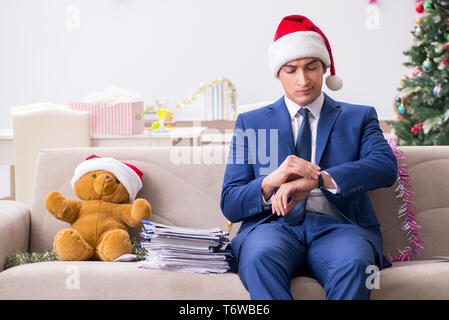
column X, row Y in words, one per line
column 187, row 249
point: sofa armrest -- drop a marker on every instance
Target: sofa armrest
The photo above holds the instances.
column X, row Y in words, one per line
column 15, row 220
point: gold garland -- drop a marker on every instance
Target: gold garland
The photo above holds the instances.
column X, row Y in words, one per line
column 192, row 97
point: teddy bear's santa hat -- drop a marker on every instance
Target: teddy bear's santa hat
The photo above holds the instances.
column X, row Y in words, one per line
column 130, row 176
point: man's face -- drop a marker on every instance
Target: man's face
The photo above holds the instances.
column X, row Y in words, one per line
column 302, row 80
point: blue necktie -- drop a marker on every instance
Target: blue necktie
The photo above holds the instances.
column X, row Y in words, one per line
column 304, row 151
column 304, row 141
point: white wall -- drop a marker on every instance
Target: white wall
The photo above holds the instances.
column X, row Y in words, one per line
column 167, row 48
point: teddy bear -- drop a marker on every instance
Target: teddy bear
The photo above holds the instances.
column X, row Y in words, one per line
column 100, row 221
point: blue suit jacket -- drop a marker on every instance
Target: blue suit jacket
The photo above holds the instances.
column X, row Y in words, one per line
column 350, row 146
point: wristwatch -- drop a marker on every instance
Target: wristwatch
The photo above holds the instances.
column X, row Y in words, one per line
column 320, row 180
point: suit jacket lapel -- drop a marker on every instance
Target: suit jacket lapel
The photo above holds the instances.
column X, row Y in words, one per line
column 329, row 113
column 278, row 114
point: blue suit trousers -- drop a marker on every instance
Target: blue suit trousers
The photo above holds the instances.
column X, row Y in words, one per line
column 333, row 251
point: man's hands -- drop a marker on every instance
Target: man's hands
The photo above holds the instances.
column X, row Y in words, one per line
column 291, row 169
column 298, row 190
column 295, row 178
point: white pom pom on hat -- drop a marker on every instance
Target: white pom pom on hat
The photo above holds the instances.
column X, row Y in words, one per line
column 297, row 37
column 334, row 83
column 130, row 176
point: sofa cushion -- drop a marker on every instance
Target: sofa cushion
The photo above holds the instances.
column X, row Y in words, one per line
column 167, row 173
column 114, row 280
column 428, row 169
column 414, row 280
column 199, row 182
column 124, row 280
column 429, row 179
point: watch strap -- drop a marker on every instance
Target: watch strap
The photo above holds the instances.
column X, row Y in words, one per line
column 320, row 180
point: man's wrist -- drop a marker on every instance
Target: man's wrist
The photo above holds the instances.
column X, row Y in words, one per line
column 306, row 184
column 267, row 188
column 327, row 181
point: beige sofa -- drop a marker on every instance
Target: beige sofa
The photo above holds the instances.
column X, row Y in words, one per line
column 188, row 194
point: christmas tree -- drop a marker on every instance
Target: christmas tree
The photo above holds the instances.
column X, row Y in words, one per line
column 422, row 103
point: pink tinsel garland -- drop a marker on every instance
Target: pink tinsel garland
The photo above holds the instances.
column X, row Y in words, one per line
column 406, row 210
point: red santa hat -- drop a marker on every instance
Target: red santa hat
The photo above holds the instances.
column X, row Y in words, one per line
column 297, row 37
column 129, row 175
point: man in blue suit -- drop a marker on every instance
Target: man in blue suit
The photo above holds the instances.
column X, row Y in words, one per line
column 297, row 178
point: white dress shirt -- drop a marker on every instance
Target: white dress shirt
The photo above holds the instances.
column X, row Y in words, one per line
column 316, row 201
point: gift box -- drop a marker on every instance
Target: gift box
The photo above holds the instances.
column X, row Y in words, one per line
column 124, row 118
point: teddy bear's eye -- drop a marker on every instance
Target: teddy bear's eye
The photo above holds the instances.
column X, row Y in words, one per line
column 94, row 176
column 117, row 180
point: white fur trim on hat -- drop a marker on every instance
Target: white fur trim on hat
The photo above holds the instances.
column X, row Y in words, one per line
column 127, row 176
column 297, row 45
